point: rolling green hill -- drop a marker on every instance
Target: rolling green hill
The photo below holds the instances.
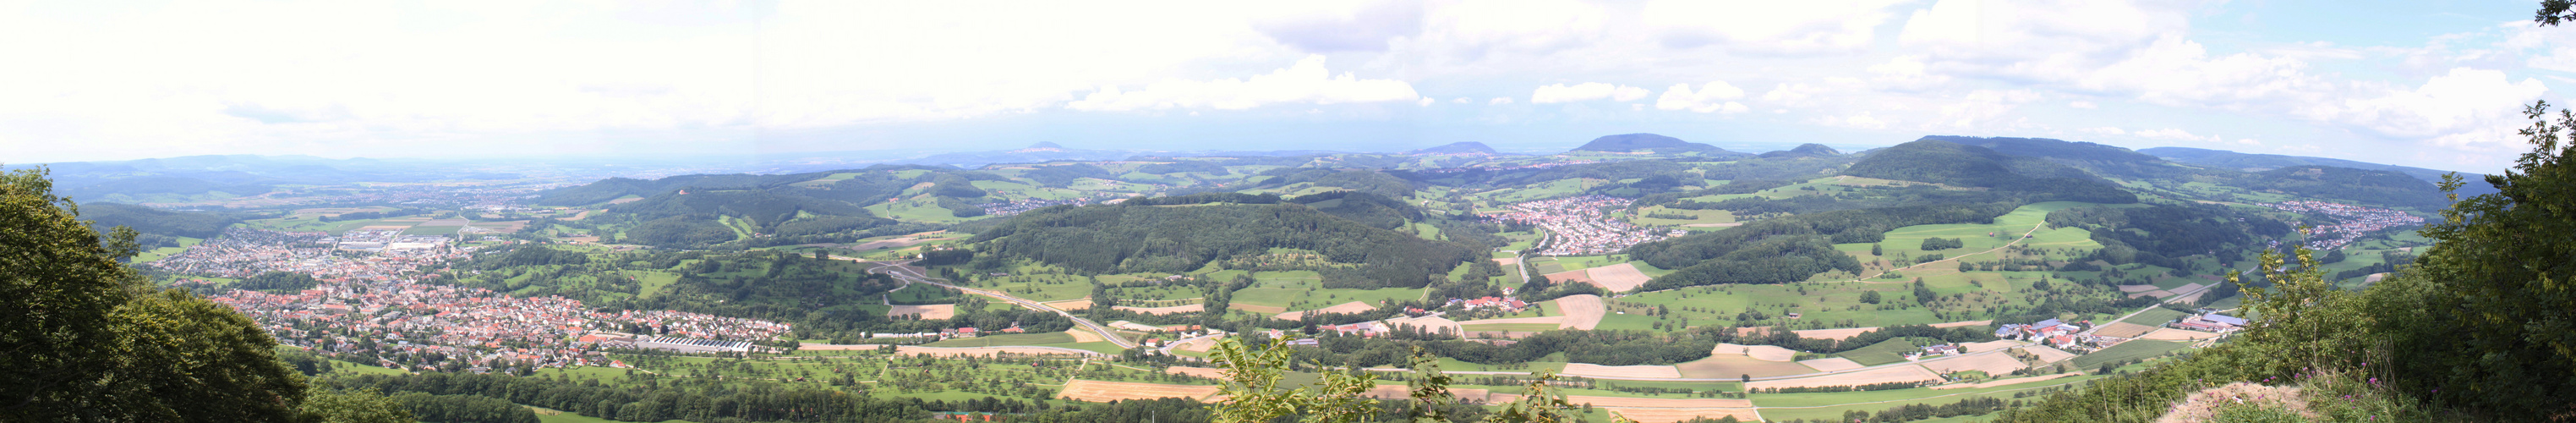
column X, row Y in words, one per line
column 1652, row 143
column 1133, row 238
column 1944, row 162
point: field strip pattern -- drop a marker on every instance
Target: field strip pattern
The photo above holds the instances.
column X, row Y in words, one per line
column 1103, row 391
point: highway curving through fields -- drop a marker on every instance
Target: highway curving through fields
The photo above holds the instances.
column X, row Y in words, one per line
column 901, row 270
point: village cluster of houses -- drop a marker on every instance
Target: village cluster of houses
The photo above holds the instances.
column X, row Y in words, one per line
column 1579, row 225
column 2051, row 332
column 242, row 252
column 416, row 326
column 2207, row 321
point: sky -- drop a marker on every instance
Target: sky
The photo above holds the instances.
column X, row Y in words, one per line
column 2428, row 83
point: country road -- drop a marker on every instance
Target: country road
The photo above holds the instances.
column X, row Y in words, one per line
column 900, row 271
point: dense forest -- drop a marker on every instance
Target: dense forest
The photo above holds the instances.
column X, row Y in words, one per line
column 157, row 227
column 2162, row 234
column 1792, row 248
column 1140, row 237
column 824, row 299
column 1943, row 162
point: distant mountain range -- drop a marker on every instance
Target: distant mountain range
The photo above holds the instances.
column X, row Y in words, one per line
column 1652, row 143
column 1469, row 147
column 177, row 178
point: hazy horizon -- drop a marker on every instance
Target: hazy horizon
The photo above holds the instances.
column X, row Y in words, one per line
column 2425, row 84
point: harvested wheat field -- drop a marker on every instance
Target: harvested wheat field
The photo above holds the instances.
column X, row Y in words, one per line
column 2137, row 288
column 1401, row 392
column 2191, row 298
column 1899, row 373
column 1758, row 352
column 1071, row 305
column 2123, row 330
column 1847, row 333
column 1178, row 309
column 1581, row 311
column 1978, row 347
column 1733, row 366
column 933, row 311
column 1570, row 276
column 1844, row 333
column 1671, row 415
column 1508, row 261
column 809, row 346
column 1628, row 402
column 2156, row 293
column 1349, row 307
column 2047, row 354
column 1992, row 364
column 1835, row 364
column 1596, row 370
column 1432, row 324
column 1256, row 308
column 1098, row 391
column 1618, row 277
column 2007, row 382
column 990, row 352
column 2171, row 334
column 1196, row 371
column 1080, row 335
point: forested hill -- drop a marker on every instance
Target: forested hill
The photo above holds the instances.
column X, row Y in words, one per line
column 1804, row 150
column 1651, row 143
column 1467, row 147
column 1944, row 162
column 2100, row 159
column 2365, row 186
column 2260, row 162
column 1146, row 236
column 152, row 221
column 614, row 188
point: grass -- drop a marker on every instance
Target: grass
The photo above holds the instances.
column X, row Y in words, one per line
column 432, row 230
column 2154, row 317
column 1884, row 352
column 920, row 294
column 1510, row 327
column 2137, row 349
column 1831, row 406
column 1050, row 338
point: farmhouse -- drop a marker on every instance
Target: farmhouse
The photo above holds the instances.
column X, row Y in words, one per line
column 2212, row 322
column 1510, row 304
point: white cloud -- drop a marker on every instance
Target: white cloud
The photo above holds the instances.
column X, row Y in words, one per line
column 2177, row 72
column 2469, row 109
column 450, row 78
column 1499, row 100
column 2081, row 104
column 1463, row 100
column 1307, row 82
column 2177, row 135
column 1426, row 102
column 1588, row 91
column 1337, row 25
column 1711, row 97
column 1980, row 110
column 1473, row 29
column 1758, row 26
column 2032, row 36
column 1863, row 121
column 2104, row 130
column 1906, row 73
